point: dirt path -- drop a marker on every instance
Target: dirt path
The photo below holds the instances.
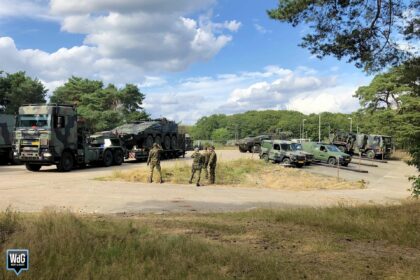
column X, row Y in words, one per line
column 79, row 192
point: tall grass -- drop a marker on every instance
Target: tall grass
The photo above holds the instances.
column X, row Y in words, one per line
column 334, row 243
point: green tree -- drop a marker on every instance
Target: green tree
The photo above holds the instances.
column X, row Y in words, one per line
column 363, row 32
column 101, row 107
column 221, row 134
column 18, row 89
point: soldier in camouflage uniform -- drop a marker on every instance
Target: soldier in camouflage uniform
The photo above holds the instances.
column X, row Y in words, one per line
column 212, row 165
column 206, row 156
column 197, row 165
column 154, row 161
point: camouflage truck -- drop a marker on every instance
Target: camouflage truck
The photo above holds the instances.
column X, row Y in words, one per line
column 51, row 135
column 309, row 157
column 369, row 145
column 7, row 125
column 281, row 151
column 327, row 153
column 138, row 138
column 251, row 144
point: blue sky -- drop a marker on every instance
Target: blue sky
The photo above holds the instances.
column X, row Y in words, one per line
column 190, row 58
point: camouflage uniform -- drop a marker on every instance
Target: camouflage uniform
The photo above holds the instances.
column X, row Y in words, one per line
column 212, row 165
column 206, row 156
column 197, row 166
column 154, row 161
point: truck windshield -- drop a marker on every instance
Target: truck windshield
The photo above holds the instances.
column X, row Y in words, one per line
column 332, row 148
column 39, row 121
column 285, row 147
column 296, row 147
column 386, row 140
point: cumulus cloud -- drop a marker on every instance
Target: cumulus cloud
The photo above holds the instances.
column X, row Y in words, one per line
column 273, row 88
column 124, row 40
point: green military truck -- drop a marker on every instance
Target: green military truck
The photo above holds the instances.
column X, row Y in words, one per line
column 7, row 126
column 309, row 157
column 281, row 151
column 51, row 135
column 327, row 153
column 251, row 144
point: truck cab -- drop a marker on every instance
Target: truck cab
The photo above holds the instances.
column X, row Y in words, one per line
column 281, row 151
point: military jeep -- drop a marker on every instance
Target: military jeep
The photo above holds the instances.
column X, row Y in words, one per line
column 280, row 151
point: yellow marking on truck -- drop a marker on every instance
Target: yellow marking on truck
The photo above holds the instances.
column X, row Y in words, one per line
column 36, row 143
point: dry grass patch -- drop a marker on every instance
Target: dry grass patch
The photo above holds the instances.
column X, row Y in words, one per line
column 244, row 173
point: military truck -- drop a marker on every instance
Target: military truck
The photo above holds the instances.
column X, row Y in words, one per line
column 369, row 145
column 309, row 158
column 7, row 125
column 281, row 151
column 50, row 134
column 138, row 138
column 327, row 153
column 251, row 144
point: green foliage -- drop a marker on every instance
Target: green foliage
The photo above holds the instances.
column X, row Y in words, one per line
column 18, row 89
column 221, row 134
column 415, row 189
column 363, row 32
column 101, row 107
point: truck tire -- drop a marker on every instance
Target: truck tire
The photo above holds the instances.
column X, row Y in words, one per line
column 286, row 160
column 33, row 167
column 149, row 142
column 167, row 142
column 370, row 154
column 242, row 150
column 158, row 140
column 118, row 157
column 174, row 142
column 107, row 158
column 66, row 162
column 332, row 161
column 300, row 165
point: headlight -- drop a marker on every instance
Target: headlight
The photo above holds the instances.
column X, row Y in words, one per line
column 47, row 154
column 15, row 154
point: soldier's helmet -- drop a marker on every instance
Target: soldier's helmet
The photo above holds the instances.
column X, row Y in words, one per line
column 211, row 147
column 196, row 149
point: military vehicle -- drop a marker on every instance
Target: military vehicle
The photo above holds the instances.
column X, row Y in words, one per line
column 188, row 143
column 371, row 146
column 251, row 144
column 7, row 125
column 281, row 151
column 309, row 158
column 51, row 135
column 138, row 138
column 327, row 153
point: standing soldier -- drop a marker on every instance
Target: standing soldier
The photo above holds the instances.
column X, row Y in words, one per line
column 206, row 156
column 196, row 166
column 212, row 165
column 154, row 161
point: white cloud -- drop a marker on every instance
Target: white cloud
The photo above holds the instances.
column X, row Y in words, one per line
column 123, row 41
column 261, row 29
column 273, row 88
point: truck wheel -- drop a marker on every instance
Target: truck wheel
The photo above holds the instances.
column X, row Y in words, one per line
column 66, row 162
column 174, row 142
column 149, row 142
column 33, row 167
column 118, row 157
column 300, row 165
column 332, row 161
column 345, row 164
column 158, row 140
column 107, row 158
column 286, row 160
column 370, row 154
column 167, row 142
column 242, row 150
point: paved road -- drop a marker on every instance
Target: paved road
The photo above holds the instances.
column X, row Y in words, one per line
column 79, row 192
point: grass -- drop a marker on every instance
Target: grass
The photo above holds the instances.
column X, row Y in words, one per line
column 245, row 173
column 401, row 155
column 373, row 242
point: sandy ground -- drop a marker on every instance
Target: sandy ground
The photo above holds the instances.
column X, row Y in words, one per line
column 78, row 191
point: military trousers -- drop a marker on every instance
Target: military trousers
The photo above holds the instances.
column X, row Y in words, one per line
column 152, row 167
column 206, row 170
column 193, row 171
column 212, row 171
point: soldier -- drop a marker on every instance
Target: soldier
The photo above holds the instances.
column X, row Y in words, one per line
column 212, row 164
column 154, row 161
column 206, row 156
column 196, row 166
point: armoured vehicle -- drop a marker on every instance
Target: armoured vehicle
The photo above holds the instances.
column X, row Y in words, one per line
column 251, row 144
column 188, row 143
column 281, row 151
column 7, row 125
column 372, row 146
column 51, row 135
column 138, row 138
column 298, row 147
column 327, row 153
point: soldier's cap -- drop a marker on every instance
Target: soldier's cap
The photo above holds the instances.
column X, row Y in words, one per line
column 212, row 147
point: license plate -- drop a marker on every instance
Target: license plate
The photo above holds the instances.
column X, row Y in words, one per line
column 35, row 143
column 300, row 161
